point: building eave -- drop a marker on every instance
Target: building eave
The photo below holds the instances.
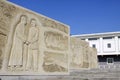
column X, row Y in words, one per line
column 98, row 35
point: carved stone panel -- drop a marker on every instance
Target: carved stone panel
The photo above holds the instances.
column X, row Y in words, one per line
column 55, row 62
column 82, row 56
column 92, row 57
column 78, row 54
column 27, row 45
column 57, row 41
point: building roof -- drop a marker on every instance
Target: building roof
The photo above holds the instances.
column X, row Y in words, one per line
column 93, row 35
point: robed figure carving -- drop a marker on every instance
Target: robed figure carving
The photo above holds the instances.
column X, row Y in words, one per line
column 16, row 55
column 32, row 42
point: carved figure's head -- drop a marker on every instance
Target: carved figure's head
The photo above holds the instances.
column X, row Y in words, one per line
column 33, row 22
column 23, row 19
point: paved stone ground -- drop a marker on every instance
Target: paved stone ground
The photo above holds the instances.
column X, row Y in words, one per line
column 93, row 74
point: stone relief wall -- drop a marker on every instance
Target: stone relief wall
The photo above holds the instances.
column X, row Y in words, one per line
column 34, row 44
column 82, row 56
column 93, row 57
column 52, row 24
column 2, row 45
column 57, row 41
column 24, row 46
column 55, row 57
column 55, row 62
column 6, row 13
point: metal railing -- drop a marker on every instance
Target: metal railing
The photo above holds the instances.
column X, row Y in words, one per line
column 105, row 65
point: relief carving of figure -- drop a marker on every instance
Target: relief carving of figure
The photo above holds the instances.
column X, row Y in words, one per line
column 16, row 55
column 32, row 42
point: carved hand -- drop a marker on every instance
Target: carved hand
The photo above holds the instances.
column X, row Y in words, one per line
column 27, row 43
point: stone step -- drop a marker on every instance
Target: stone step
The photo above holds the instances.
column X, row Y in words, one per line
column 92, row 74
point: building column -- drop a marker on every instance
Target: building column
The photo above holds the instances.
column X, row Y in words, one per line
column 116, row 44
column 86, row 40
column 101, row 45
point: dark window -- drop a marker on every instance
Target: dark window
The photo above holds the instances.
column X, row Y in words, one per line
column 92, row 38
column 109, row 45
column 94, row 46
column 110, row 60
column 107, row 37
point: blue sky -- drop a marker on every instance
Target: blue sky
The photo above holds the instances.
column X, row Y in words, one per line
column 83, row 16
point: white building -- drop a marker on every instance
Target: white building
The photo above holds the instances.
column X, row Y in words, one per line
column 107, row 44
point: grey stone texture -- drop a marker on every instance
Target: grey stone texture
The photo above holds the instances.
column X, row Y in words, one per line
column 92, row 74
